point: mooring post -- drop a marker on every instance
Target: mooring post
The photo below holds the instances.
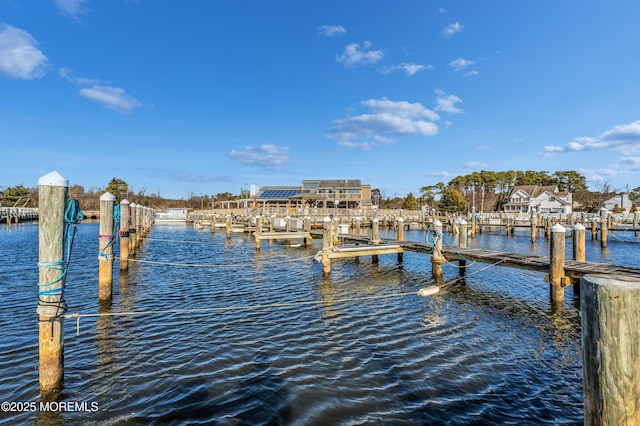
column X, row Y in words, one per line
column 139, row 224
column 400, row 224
column 306, row 223
column 604, row 216
column 474, row 222
column 375, row 237
column 327, row 243
column 635, row 223
column 124, row 235
column 105, row 257
column 594, row 229
column 609, row 306
column 228, row 227
column 557, row 279
column 437, row 259
column 578, row 242
column 357, row 225
column 52, row 200
column 533, row 226
column 463, row 233
column 132, row 229
column 258, row 231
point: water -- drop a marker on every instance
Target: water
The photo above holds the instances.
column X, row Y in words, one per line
column 487, row 349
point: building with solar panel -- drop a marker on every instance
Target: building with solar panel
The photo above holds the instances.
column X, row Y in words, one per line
column 331, row 193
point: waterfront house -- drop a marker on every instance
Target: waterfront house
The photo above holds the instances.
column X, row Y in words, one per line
column 540, row 199
column 622, row 201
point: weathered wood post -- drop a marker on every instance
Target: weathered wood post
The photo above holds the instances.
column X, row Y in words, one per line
column 228, row 227
column 272, row 223
column 327, row 243
column 594, row 229
column 635, row 223
column 578, row 242
column 139, row 224
column 400, row 224
column 357, row 225
column 462, row 264
column 557, row 279
column 437, row 259
column 533, row 226
column 306, row 223
column 463, row 233
column 258, row 231
column 132, row 228
column 105, row 258
column 52, row 199
column 375, row 237
column 604, row 216
column 610, row 349
column 124, row 235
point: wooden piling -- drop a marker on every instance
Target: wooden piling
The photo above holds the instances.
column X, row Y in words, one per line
column 124, row 235
column 604, row 217
column 400, row 224
column 594, row 229
column 463, row 233
column 578, row 242
column 105, row 257
column 533, row 226
column 557, row 279
column 375, row 237
column 635, row 223
column 306, row 224
column 52, row 200
column 327, row 243
column 258, row 231
column 611, row 349
column 437, row 258
column 133, row 231
column 228, row 226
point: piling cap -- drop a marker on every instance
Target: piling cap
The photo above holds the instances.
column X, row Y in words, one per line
column 578, row 227
column 125, row 201
column 558, row 228
column 107, row 196
column 326, row 219
column 375, row 219
column 400, row 219
column 53, row 179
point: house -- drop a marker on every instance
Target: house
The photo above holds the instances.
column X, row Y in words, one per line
column 622, row 200
column 540, row 199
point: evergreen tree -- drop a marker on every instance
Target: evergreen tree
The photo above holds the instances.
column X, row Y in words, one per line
column 452, row 200
column 410, row 202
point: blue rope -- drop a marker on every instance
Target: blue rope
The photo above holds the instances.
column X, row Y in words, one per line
column 72, row 216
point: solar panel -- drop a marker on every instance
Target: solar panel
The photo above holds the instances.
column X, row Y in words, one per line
column 280, row 193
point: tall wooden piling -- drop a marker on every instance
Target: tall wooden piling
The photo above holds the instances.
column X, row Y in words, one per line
column 258, row 231
column 437, row 258
column 52, row 199
column 463, row 233
column 228, row 226
column 635, row 223
column 578, row 242
column 133, row 231
column 594, row 229
column 611, row 349
column 124, row 235
column 105, row 258
column 400, row 224
column 327, row 243
column 375, row 237
column 306, row 224
column 533, row 226
column 557, row 279
column 604, row 219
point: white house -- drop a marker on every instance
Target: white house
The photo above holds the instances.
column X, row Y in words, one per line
column 541, row 199
column 622, row 200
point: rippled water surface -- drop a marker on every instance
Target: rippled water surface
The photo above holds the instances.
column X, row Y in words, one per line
column 263, row 338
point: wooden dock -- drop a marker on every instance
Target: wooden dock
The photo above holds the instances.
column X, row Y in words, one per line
column 573, row 269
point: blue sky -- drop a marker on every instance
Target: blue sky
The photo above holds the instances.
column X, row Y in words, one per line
column 203, row 97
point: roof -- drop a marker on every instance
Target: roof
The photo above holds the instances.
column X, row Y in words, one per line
column 534, row 190
column 278, row 192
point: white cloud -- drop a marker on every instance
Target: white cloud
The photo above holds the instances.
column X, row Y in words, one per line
column 632, row 163
column 268, row 156
column 624, row 138
column 71, row 8
column 441, row 173
column 387, row 118
column 112, row 97
column 447, row 103
column 460, row 64
column 331, row 30
column 408, row 68
column 68, row 74
column 452, row 29
column 470, row 73
column 354, row 56
column 19, row 54
column 470, row 165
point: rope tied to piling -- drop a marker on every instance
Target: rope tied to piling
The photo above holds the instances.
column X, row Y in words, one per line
column 56, row 308
column 113, row 237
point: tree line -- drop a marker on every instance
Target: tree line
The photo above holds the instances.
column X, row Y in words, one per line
column 488, row 191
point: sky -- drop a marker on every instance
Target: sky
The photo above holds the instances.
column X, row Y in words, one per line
column 205, row 97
